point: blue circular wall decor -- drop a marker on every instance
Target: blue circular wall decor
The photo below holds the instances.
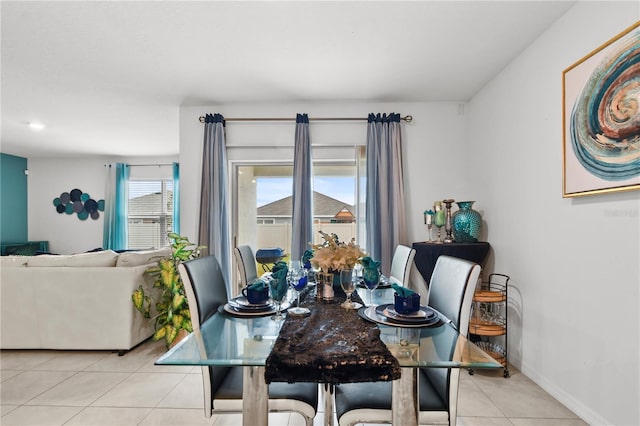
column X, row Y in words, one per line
column 81, row 203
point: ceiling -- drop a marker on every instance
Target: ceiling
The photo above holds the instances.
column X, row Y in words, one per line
column 108, row 77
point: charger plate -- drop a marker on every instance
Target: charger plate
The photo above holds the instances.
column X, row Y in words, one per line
column 370, row 313
column 240, row 312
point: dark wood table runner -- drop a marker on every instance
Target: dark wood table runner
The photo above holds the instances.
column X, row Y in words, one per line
column 331, row 345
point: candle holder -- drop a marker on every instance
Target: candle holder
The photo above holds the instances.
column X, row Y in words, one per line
column 429, row 226
column 447, row 227
column 438, row 219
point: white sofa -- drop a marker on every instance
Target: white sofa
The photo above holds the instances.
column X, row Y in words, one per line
column 80, row 301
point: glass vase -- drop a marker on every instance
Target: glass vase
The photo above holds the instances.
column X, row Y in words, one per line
column 466, row 223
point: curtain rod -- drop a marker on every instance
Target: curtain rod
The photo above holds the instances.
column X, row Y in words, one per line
column 407, row 118
column 146, row 165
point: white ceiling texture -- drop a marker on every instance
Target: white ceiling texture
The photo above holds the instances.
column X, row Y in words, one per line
column 109, row 77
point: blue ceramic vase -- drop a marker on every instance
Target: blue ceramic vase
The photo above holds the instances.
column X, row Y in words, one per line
column 466, row 223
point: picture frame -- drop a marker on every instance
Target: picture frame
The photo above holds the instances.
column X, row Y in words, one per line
column 601, row 118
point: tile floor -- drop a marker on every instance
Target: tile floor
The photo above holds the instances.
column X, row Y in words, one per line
column 100, row 388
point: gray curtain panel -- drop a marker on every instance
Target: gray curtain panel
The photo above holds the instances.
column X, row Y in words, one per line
column 214, row 215
column 386, row 226
column 302, row 220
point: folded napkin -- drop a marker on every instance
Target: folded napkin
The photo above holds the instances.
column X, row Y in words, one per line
column 306, row 258
column 368, row 263
column 278, row 266
column 279, row 283
column 257, row 284
column 402, row 291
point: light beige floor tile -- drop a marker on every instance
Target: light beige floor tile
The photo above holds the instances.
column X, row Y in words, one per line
column 129, row 362
column 187, row 394
column 70, row 361
column 546, row 422
column 4, row 409
column 79, row 390
column 39, row 416
column 109, row 416
column 7, row 374
column 483, row 421
column 226, row 419
column 29, row 384
column 473, row 402
column 23, row 360
column 177, row 417
column 513, row 398
column 140, row 390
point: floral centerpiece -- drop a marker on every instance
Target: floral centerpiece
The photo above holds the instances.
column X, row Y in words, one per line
column 335, row 255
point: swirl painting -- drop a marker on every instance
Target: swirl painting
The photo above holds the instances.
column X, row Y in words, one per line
column 601, row 118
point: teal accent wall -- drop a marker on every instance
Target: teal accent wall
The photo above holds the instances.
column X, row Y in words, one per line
column 13, row 198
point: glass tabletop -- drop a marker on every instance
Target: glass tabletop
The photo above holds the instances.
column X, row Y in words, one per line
column 225, row 340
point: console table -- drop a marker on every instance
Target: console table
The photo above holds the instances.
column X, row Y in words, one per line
column 428, row 253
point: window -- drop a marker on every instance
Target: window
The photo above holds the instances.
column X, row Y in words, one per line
column 150, row 212
column 264, row 206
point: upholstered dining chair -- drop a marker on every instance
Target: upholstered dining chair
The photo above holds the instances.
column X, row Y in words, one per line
column 401, row 265
column 451, row 292
column 246, row 262
column 206, row 290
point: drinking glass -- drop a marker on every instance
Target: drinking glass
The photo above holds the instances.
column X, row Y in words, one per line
column 278, row 294
column 348, row 280
column 298, row 281
column 371, row 279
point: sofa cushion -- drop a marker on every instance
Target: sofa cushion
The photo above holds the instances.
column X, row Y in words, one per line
column 142, row 257
column 13, row 261
column 101, row 258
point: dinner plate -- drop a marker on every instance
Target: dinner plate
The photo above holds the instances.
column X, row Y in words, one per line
column 242, row 301
column 380, row 286
column 228, row 308
column 247, row 307
column 369, row 313
column 424, row 314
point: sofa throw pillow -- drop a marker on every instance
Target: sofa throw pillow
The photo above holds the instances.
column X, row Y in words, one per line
column 106, row 258
column 142, row 257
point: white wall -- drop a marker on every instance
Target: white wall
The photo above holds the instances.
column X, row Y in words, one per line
column 48, row 178
column 574, row 263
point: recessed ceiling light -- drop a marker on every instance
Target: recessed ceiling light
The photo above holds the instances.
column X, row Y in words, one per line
column 36, row 125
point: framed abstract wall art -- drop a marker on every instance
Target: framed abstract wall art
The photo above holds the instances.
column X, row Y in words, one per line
column 601, row 118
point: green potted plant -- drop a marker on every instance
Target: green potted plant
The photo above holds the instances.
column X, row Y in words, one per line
column 172, row 318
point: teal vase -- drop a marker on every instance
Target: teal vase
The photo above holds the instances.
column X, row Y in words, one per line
column 466, row 223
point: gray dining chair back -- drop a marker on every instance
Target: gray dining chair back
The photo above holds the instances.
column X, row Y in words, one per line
column 206, row 285
column 401, row 265
column 246, row 263
column 206, row 290
column 450, row 292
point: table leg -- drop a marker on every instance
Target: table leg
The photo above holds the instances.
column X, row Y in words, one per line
column 255, row 397
column 404, row 398
column 328, row 403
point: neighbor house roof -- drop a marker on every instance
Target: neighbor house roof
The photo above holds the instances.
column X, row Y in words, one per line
column 323, row 205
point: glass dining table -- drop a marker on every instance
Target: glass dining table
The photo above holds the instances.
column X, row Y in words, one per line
column 226, row 340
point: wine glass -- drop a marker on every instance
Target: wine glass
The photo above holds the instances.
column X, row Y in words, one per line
column 371, row 278
column 348, row 281
column 298, row 280
column 278, row 294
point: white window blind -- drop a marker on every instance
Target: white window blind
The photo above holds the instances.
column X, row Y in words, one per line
column 150, row 213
